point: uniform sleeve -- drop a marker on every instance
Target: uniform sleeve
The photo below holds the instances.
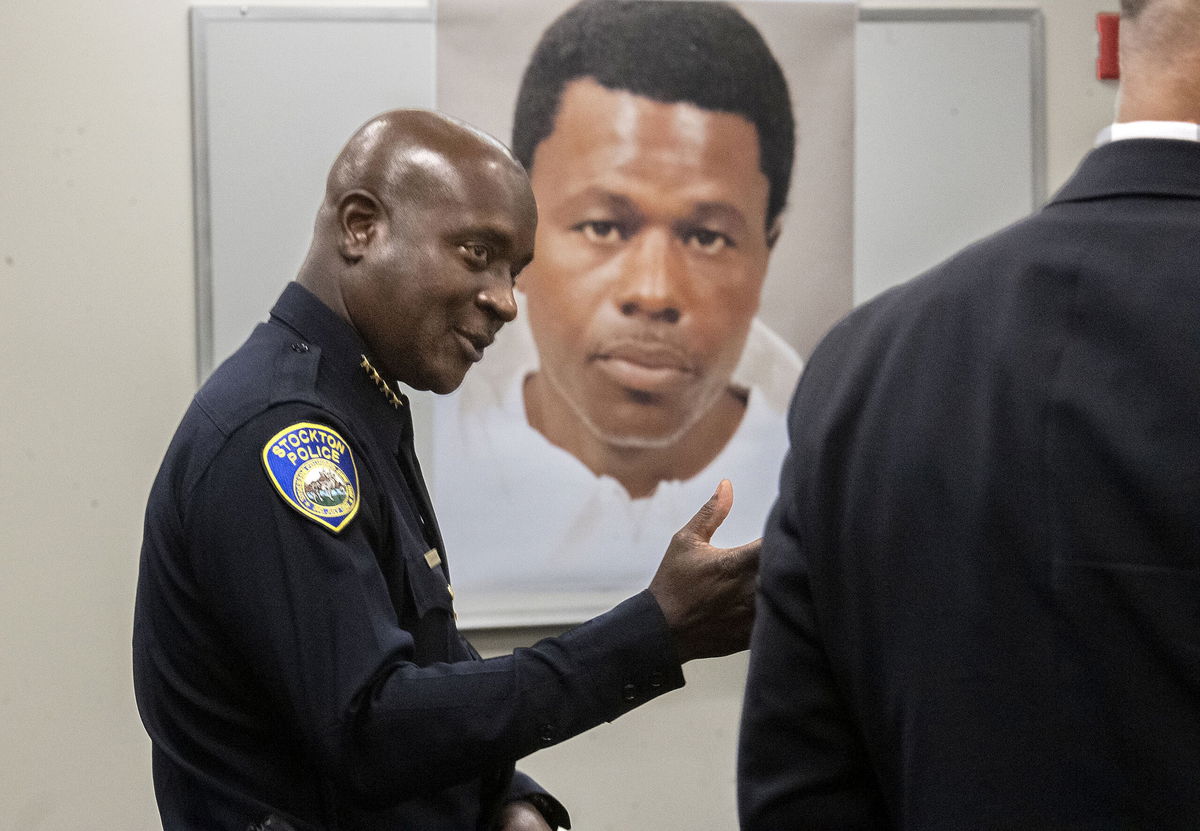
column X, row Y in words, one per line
column 308, row 611
column 801, row 761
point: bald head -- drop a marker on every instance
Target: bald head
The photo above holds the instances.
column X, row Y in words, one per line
column 1160, row 60
column 425, row 223
column 412, row 155
column 404, row 161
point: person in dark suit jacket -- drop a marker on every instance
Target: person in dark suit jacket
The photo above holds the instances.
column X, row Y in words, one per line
column 980, row 587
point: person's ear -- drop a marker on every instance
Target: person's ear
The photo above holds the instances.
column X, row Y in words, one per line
column 773, row 232
column 360, row 218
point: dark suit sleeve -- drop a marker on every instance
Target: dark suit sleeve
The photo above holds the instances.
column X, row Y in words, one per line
column 801, row 762
column 524, row 787
column 309, row 613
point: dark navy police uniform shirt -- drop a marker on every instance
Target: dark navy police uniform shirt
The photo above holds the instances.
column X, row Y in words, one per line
column 295, row 651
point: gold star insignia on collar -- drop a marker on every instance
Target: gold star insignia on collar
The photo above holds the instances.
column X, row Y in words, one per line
column 397, row 400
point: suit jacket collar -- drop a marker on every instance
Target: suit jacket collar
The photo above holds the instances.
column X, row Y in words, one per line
column 1136, row 167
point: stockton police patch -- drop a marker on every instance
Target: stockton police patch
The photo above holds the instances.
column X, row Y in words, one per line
column 312, row 468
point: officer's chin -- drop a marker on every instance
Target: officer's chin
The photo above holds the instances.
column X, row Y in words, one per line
column 446, row 383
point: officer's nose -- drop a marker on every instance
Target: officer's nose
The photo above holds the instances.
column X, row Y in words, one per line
column 498, row 299
column 653, row 278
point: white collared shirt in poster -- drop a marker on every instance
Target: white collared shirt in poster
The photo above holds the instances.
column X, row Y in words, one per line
column 533, row 536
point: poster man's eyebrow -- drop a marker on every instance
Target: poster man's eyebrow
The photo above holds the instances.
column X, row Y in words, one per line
column 719, row 210
column 609, row 199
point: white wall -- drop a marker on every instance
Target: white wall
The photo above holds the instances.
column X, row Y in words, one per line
column 96, row 284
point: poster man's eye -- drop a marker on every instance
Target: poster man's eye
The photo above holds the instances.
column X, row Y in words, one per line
column 706, row 241
column 601, row 231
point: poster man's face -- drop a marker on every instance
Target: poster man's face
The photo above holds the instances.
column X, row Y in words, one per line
column 650, row 256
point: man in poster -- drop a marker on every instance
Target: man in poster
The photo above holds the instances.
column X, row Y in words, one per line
column 659, row 139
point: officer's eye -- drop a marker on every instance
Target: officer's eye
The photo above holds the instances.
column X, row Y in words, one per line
column 476, row 254
column 707, row 241
column 602, row 231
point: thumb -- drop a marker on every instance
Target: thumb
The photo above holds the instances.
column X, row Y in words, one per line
column 711, row 514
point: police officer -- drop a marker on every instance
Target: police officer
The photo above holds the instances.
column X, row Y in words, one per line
column 296, row 658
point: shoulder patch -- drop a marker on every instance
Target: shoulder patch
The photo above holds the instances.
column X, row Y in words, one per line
column 312, row 468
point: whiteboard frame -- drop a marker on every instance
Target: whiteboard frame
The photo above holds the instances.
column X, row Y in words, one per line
column 199, row 20
column 201, row 17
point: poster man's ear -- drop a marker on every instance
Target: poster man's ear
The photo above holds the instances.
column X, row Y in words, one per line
column 774, row 231
column 360, row 218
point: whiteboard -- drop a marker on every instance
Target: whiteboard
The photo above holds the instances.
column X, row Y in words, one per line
column 949, row 134
column 276, row 93
column 949, row 137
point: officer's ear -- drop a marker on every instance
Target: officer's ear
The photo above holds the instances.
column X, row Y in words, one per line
column 360, row 218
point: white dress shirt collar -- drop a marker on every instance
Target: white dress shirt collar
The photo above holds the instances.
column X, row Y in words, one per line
column 1121, row 130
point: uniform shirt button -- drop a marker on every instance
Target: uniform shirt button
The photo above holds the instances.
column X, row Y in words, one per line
column 656, row 680
column 547, row 734
column 299, row 346
column 629, row 692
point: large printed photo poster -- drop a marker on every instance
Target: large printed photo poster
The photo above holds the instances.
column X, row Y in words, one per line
column 693, row 167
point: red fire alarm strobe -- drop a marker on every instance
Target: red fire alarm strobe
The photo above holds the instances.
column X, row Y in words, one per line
column 1108, row 68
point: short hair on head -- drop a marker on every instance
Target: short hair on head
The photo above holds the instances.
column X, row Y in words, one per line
column 701, row 53
column 1130, row 9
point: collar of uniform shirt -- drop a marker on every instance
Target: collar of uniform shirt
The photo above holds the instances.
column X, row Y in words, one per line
column 1121, row 130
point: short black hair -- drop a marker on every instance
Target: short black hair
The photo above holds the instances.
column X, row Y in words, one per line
column 700, row 53
column 1130, row 9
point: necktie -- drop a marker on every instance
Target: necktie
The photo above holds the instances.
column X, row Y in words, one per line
column 417, row 493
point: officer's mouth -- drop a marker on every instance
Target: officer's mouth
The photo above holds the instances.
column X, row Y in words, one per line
column 473, row 343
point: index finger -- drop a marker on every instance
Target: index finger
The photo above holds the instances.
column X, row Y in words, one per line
column 743, row 556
